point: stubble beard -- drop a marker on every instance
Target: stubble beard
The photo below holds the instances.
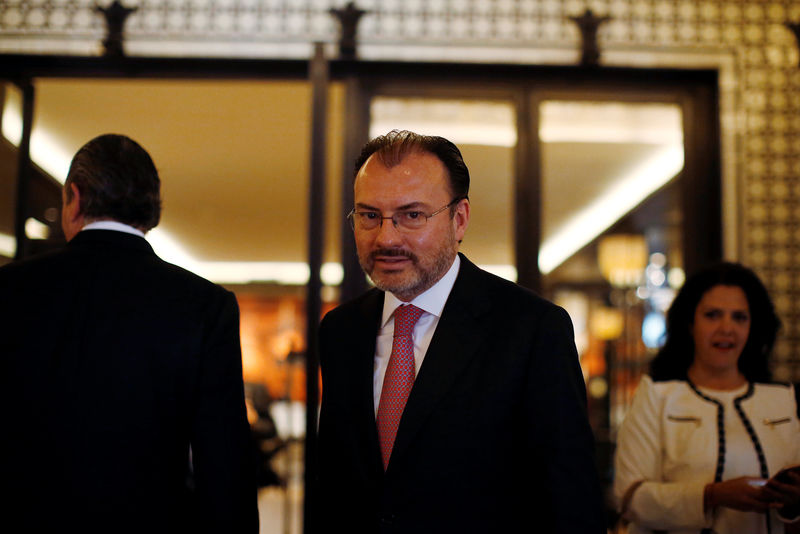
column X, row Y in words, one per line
column 419, row 279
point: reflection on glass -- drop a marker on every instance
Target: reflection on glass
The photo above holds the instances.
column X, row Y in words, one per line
column 600, row 160
column 611, row 236
column 11, row 113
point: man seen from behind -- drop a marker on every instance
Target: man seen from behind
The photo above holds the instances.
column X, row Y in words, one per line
column 121, row 387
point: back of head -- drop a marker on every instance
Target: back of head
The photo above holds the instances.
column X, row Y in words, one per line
column 673, row 360
column 117, row 180
column 393, row 147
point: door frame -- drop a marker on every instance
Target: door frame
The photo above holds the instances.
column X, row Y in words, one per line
column 525, row 86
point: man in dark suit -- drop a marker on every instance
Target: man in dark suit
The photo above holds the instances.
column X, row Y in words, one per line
column 119, row 372
column 452, row 400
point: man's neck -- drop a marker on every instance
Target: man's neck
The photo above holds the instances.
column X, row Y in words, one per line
column 108, row 224
column 432, row 299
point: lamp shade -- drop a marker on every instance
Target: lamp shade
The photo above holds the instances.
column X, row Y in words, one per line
column 622, row 258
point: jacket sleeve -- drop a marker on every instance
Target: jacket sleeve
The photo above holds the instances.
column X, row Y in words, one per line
column 559, row 431
column 793, row 515
column 796, row 423
column 654, row 503
column 222, row 450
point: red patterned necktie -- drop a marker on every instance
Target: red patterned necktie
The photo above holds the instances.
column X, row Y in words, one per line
column 399, row 378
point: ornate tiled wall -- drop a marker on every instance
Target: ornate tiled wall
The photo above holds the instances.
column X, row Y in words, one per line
column 747, row 40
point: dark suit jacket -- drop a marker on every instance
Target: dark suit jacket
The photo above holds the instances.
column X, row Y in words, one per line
column 494, row 437
column 113, row 362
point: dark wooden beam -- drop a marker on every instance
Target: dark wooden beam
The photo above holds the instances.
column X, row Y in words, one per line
column 356, row 114
column 23, row 169
column 318, row 75
column 527, row 194
column 29, row 66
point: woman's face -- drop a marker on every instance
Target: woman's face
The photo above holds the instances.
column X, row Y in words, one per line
column 720, row 329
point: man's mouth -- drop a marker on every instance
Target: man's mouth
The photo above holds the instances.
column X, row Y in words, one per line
column 392, row 257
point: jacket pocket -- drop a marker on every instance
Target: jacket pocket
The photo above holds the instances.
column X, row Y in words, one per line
column 775, row 422
column 684, row 419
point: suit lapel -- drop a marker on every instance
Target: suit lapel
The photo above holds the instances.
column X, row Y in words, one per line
column 364, row 334
column 455, row 343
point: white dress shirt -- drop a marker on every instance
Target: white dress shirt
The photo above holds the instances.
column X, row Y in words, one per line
column 113, row 225
column 432, row 303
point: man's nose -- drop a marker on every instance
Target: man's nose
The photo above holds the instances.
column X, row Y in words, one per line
column 388, row 232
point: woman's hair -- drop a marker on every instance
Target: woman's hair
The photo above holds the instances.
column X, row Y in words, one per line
column 673, row 360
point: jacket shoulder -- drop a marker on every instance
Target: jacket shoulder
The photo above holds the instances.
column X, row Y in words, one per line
column 363, row 305
column 176, row 273
column 40, row 268
column 502, row 296
column 774, row 390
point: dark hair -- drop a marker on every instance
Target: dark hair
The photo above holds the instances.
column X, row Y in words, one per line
column 673, row 360
column 393, row 147
column 117, row 180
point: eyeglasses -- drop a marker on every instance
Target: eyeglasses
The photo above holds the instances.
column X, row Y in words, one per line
column 405, row 219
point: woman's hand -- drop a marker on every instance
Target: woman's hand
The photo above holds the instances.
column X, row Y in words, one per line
column 739, row 494
column 784, row 494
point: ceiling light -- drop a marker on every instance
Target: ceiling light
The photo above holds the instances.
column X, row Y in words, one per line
column 610, row 122
column 45, row 151
column 464, row 122
column 458, row 133
column 36, row 230
column 610, row 206
column 12, row 115
column 8, row 245
column 240, row 272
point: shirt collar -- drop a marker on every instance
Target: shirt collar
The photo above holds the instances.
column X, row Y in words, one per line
column 113, row 225
column 431, row 301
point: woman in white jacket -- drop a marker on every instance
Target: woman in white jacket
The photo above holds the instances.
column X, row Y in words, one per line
column 706, row 431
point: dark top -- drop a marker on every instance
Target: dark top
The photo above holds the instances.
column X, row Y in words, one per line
column 494, row 437
column 113, row 362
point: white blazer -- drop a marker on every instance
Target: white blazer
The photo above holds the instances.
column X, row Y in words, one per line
column 669, row 441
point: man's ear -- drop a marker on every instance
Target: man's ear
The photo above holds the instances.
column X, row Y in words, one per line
column 71, row 217
column 461, row 218
column 74, row 206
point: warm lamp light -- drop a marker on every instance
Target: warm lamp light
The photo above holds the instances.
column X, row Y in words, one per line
column 606, row 323
column 286, row 343
column 622, row 258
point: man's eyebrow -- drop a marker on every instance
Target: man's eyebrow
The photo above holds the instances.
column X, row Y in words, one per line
column 410, row 206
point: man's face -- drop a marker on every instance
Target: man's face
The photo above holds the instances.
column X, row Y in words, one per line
column 407, row 262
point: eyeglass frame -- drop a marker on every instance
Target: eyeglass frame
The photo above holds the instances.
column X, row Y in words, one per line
column 351, row 216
